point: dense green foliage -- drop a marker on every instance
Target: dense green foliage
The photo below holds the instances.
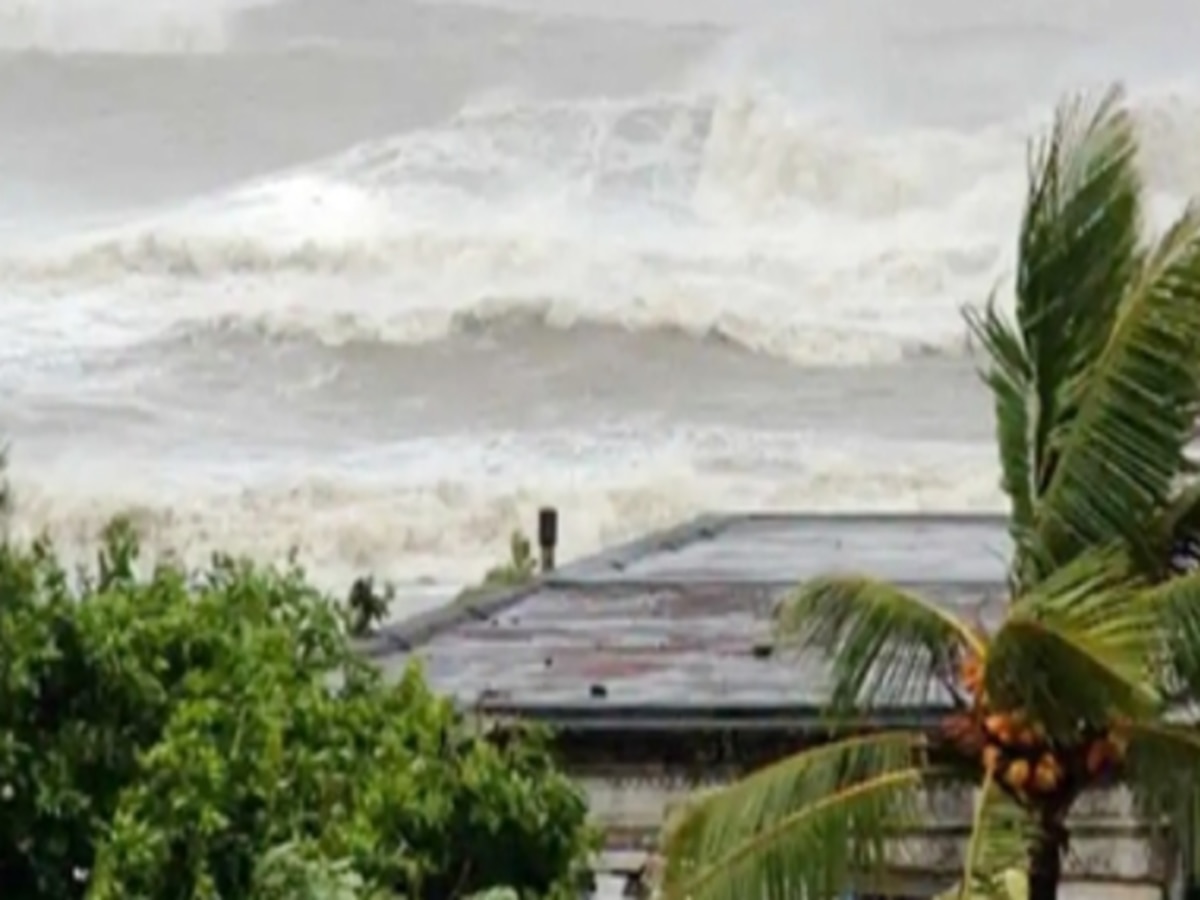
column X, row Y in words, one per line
column 169, row 735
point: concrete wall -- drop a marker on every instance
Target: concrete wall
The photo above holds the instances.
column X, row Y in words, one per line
column 632, row 803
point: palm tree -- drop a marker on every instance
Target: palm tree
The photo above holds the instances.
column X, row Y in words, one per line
column 1085, row 680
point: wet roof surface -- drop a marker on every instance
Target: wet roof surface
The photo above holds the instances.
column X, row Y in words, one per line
column 679, row 622
column 787, row 549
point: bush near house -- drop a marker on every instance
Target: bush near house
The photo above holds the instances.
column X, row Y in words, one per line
column 176, row 735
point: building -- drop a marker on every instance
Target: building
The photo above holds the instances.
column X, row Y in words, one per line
column 654, row 664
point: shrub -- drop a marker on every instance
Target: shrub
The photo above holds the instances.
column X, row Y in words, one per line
column 213, row 735
column 519, row 569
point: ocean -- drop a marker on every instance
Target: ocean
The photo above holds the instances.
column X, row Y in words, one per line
column 375, row 279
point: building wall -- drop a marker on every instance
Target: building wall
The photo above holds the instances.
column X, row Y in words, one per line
column 1109, row 844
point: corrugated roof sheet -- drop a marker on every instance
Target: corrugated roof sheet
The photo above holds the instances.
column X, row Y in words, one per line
column 679, row 622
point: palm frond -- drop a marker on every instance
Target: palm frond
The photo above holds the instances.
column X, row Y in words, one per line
column 1077, row 252
column 1001, row 834
column 1174, row 537
column 804, row 827
column 1183, row 514
column 884, row 643
column 1012, row 884
column 1118, row 453
column 1080, row 231
column 1161, row 623
column 1010, row 376
column 1175, row 605
column 1162, row 769
column 1079, row 647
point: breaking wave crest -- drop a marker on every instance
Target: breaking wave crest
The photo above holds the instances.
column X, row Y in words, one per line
column 726, row 214
column 731, row 214
column 116, row 26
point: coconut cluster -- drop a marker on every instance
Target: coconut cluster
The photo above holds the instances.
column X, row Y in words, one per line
column 1018, row 752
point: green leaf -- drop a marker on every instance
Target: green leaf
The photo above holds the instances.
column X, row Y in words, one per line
column 1076, row 251
column 885, row 643
column 1080, row 647
column 806, row 826
column 1177, row 525
column 1119, row 454
column 1010, row 376
column 167, row 732
column 997, row 851
column 1176, row 607
column 1162, row 769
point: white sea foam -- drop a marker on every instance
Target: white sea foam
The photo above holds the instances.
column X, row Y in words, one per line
column 803, row 237
column 807, row 239
column 117, row 26
column 831, row 193
column 446, row 515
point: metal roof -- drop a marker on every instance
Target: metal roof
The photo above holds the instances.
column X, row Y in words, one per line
column 676, row 626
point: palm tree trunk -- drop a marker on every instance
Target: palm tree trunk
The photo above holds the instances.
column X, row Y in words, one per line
column 1045, row 861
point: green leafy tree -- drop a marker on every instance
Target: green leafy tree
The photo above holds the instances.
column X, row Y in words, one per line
column 367, row 606
column 1096, row 383
column 194, row 736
